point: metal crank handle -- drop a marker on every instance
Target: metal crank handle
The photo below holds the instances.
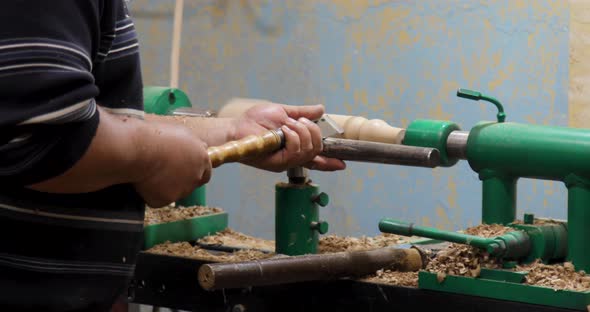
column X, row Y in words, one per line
column 247, row 147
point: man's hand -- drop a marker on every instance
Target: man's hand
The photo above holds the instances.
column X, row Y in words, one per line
column 164, row 161
column 177, row 163
column 303, row 137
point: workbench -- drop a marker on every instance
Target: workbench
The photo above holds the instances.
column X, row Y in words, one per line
column 169, row 281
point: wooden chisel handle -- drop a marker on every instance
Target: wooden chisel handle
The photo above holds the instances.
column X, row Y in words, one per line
column 247, row 147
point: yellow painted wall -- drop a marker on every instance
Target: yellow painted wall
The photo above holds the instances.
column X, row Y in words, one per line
column 579, row 71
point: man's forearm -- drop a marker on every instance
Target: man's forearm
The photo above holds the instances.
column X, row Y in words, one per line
column 116, row 155
column 213, row 131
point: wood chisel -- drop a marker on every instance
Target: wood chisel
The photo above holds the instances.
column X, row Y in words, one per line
column 253, row 146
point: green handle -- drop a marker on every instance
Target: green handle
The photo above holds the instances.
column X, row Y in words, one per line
column 512, row 245
column 476, row 96
column 409, row 229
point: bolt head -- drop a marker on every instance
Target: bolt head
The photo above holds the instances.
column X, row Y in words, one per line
column 323, row 227
column 493, row 249
column 322, row 199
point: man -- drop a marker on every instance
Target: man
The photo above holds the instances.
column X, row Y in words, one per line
column 79, row 159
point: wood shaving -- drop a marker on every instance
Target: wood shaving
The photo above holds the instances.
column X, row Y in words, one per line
column 557, row 276
column 327, row 244
column 184, row 249
column 464, row 260
column 456, row 259
column 229, row 237
column 541, row 221
column 488, row 230
column 333, row 243
column 171, row 214
column 407, row 279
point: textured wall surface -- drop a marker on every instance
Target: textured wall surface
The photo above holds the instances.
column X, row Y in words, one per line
column 395, row 60
column 579, row 70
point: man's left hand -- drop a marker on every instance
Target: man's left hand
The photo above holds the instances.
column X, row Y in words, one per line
column 302, row 136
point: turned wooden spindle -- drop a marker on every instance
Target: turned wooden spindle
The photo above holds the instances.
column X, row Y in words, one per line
column 247, row 147
column 363, row 129
column 237, row 106
column 355, row 127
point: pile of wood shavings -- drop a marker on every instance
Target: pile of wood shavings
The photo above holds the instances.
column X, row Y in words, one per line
column 540, row 221
column 489, row 230
column 229, row 237
column 408, row 279
column 327, row 244
column 333, row 243
column 458, row 259
column 170, row 214
column 556, row 276
column 184, row 249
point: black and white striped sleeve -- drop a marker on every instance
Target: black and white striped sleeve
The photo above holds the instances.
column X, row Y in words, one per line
column 48, row 113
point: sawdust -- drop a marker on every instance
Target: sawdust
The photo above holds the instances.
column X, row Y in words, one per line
column 557, row 276
column 229, row 237
column 407, row 279
column 333, row 243
column 541, row 221
column 327, row 244
column 489, row 230
column 253, row 248
column 463, row 260
column 456, row 259
column 184, row 249
column 170, row 214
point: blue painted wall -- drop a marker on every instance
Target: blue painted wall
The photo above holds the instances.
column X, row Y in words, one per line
column 394, row 60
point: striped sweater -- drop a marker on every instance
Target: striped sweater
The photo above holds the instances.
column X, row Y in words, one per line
column 59, row 59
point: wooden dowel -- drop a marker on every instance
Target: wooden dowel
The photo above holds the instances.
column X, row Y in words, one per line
column 176, row 44
column 294, row 269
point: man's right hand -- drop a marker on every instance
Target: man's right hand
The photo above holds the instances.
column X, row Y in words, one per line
column 164, row 161
column 176, row 163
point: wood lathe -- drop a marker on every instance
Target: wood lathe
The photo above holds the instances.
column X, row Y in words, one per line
column 474, row 273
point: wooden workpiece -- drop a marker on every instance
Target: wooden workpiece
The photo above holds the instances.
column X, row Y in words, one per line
column 237, row 106
column 363, row 129
column 355, row 127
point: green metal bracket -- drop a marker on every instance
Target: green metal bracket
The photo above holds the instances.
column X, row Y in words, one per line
column 476, row 96
column 529, row 218
column 505, row 290
column 162, row 101
column 498, row 197
column 578, row 216
column 432, row 133
column 513, row 245
column 503, row 275
column 297, row 224
column 547, row 242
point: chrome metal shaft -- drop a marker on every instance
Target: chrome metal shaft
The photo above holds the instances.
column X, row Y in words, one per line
column 372, row 152
column 457, row 144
